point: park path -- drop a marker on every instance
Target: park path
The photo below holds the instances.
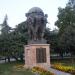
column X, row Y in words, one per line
column 57, row 72
column 3, row 61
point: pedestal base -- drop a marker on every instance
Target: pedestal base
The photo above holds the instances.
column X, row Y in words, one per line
column 37, row 55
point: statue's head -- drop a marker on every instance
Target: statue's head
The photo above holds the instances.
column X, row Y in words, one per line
column 35, row 11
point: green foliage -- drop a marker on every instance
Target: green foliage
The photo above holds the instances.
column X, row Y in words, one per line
column 12, row 41
column 66, row 17
column 66, row 25
column 5, row 29
column 67, row 39
column 4, row 38
column 71, row 3
column 52, row 38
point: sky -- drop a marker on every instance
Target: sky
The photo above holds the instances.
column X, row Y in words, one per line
column 16, row 9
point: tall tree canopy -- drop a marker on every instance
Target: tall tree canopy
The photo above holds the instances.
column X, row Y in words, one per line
column 66, row 17
column 66, row 25
column 4, row 38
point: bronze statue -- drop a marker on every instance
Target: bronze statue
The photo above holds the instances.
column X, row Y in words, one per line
column 36, row 22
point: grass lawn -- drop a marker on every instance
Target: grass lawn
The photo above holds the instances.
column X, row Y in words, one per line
column 10, row 69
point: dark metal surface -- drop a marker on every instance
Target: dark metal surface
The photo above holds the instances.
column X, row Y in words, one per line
column 36, row 24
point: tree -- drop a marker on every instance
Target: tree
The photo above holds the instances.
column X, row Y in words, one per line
column 66, row 17
column 67, row 41
column 66, row 23
column 51, row 37
column 22, row 31
column 71, row 3
column 19, row 39
column 12, row 41
column 4, row 39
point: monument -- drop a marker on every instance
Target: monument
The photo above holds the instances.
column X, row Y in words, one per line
column 37, row 52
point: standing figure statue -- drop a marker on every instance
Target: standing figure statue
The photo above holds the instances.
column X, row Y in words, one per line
column 36, row 23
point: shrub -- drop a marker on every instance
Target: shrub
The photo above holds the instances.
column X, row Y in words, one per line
column 68, row 69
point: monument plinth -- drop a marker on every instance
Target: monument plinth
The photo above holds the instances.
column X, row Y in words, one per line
column 37, row 52
column 37, row 55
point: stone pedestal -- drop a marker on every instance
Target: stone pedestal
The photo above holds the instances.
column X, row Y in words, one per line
column 31, row 55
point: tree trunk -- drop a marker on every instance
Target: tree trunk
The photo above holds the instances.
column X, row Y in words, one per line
column 21, row 57
column 61, row 55
column 72, row 59
column 8, row 59
column 5, row 59
column 15, row 58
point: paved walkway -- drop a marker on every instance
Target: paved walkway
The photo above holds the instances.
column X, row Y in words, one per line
column 3, row 61
column 57, row 72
